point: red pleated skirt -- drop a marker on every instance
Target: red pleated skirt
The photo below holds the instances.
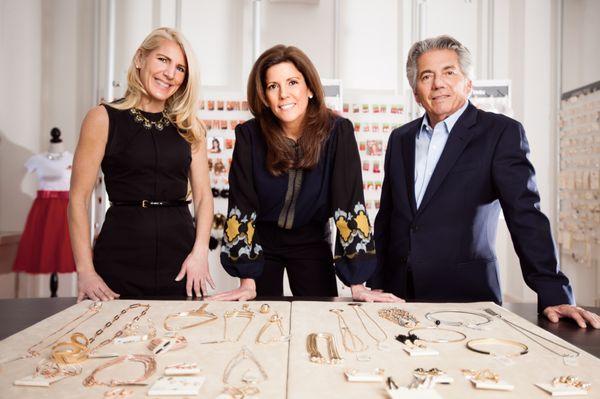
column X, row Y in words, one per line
column 45, row 246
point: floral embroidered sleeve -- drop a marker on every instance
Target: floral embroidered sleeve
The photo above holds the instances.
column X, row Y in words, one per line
column 241, row 255
column 354, row 255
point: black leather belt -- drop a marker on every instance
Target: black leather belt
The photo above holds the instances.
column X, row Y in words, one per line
column 151, row 204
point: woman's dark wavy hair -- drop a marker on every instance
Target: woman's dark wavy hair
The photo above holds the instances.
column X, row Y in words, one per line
column 317, row 120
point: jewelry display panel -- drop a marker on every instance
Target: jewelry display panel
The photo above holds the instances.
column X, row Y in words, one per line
column 292, row 350
column 579, row 179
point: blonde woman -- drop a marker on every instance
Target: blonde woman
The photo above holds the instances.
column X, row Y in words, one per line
column 149, row 145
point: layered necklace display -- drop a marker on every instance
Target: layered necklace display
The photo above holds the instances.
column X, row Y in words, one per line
column 148, row 124
column 50, row 340
column 380, row 341
column 79, row 347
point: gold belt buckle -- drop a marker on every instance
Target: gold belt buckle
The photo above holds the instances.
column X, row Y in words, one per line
column 145, row 203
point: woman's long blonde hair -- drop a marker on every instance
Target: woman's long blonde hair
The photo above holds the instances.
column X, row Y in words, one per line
column 182, row 105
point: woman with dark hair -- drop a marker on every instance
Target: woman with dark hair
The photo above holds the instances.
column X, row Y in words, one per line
column 295, row 165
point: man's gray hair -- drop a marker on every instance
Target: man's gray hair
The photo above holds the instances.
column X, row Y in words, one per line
column 443, row 42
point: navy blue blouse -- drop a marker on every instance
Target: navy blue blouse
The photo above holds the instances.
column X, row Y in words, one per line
column 333, row 188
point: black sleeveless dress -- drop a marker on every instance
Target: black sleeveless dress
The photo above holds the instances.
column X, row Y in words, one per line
column 139, row 251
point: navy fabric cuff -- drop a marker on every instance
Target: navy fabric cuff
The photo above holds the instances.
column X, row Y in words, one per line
column 356, row 270
column 242, row 270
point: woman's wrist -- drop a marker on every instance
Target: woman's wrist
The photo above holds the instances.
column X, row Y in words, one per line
column 248, row 283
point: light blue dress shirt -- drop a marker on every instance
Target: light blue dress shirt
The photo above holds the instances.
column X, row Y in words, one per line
column 429, row 144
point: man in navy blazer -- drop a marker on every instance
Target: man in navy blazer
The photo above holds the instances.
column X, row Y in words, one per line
column 447, row 175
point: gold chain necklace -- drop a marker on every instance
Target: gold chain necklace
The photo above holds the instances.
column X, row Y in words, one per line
column 358, row 308
column 350, row 341
column 147, row 123
column 79, row 349
column 35, row 349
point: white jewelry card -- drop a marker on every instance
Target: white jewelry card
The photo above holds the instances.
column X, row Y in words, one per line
column 354, row 375
column 494, row 386
column 418, row 351
column 182, row 369
column 37, row 381
column 176, row 386
column 561, row 390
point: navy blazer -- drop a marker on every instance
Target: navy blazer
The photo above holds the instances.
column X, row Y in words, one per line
column 448, row 244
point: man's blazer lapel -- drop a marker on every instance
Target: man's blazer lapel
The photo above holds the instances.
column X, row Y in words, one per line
column 408, row 156
column 457, row 141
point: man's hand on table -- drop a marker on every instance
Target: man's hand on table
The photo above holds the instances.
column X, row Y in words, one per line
column 581, row 316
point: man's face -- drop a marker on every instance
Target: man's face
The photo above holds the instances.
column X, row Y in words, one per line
column 441, row 87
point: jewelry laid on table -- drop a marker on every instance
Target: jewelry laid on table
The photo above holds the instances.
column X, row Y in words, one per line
column 572, row 381
column 566, row 385
column 120, row 393
column 273, row 320
column 182, row 369
column 430, row 377
column 75, row 351
column 48, row 372
column 354, row 375
column 166, row 344
column 481, row 375
column 350, row 341
column 410, row 339
column 49, row 369
column 536, row 337
column 315, row 355
column 435, row 317
column 79, row 348
column 149, row 368
column 147, row 123
column 249, row 379
column 201, row 312
column 135, row 333
column 35, row 349
column 487, row 379
column 246, row 313
column 476, row 346
column 455, row 336
column 398, row 316
column 264, row 308
column 358, row 308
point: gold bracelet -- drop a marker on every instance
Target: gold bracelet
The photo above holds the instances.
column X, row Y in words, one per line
column 523, row 349
column 149, row 368
column 200, row 312
column 75, row 351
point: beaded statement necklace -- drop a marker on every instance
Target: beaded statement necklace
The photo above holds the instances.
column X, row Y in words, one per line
column 147, row 123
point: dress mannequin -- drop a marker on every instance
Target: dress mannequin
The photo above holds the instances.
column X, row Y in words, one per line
column 45, row 246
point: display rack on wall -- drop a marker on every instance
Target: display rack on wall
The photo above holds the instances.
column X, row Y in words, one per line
column 579, row 180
